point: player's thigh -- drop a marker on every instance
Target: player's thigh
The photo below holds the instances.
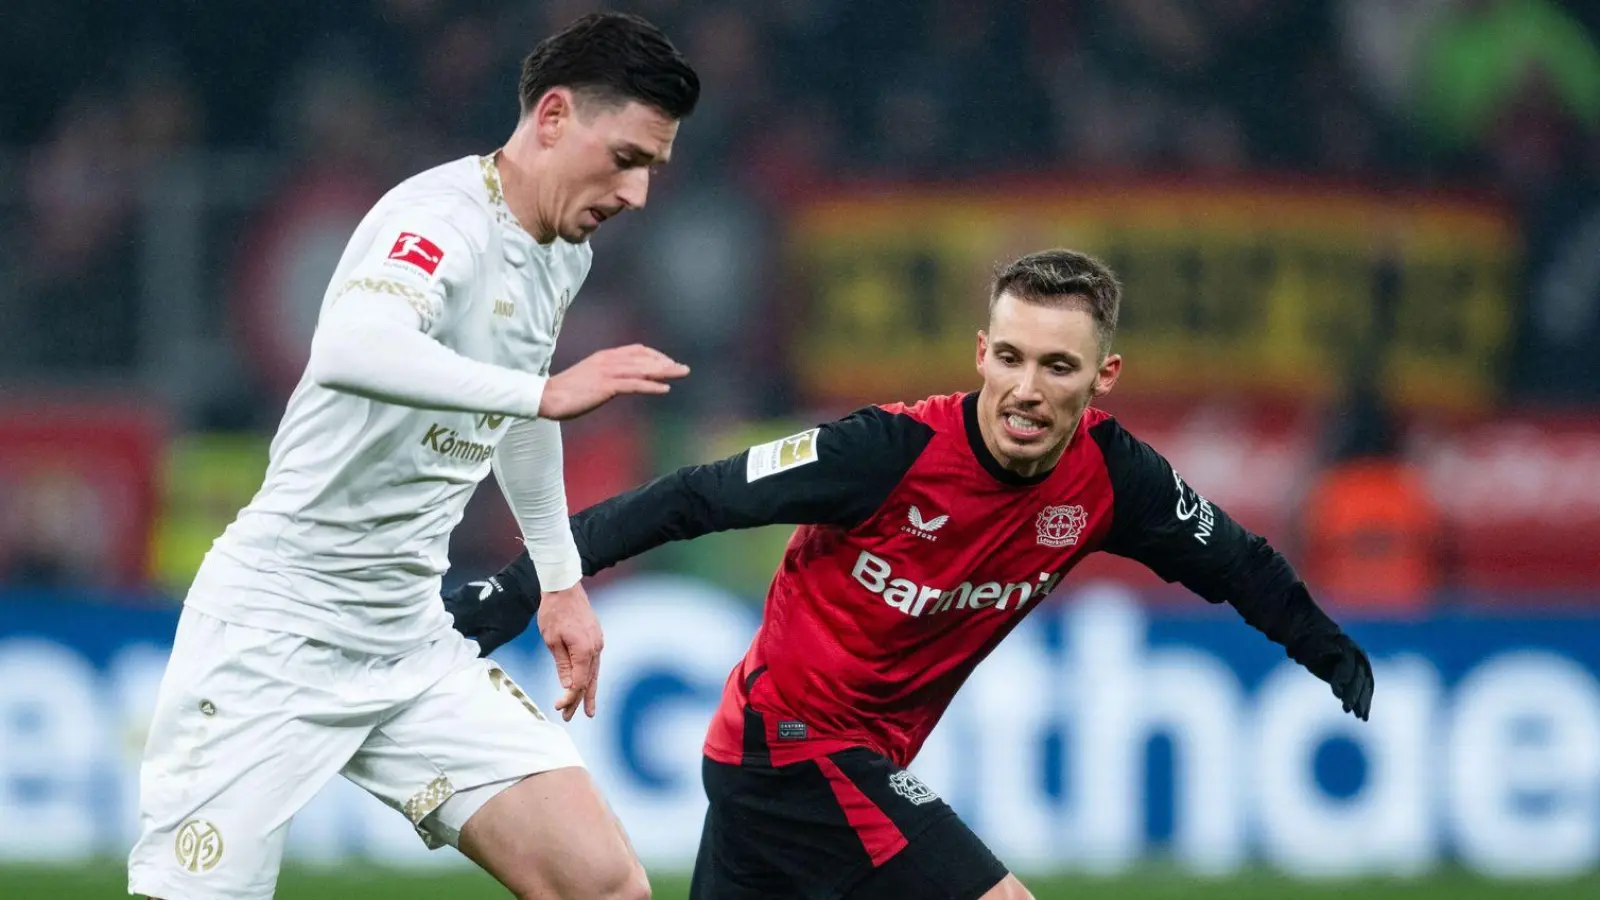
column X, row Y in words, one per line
column 551, row 835
column 729, row 867
column 474, row 763
column 928, row 851
column 813, row 830
column 946, row 861
column 471, row 727
column 236, row 747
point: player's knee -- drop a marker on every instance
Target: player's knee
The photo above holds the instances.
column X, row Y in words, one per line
column 634, row 884
column 622, row 882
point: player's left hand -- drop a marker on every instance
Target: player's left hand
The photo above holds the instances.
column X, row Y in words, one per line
column 572, row 632
column 1344, row 666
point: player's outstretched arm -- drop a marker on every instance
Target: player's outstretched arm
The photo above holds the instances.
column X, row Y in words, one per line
column 376, row 334
column 373, row 346
column 599, row 377
column 835, row 474
column 1165, row 524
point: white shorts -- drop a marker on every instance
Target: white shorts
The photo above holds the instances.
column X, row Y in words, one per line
column 251, row 724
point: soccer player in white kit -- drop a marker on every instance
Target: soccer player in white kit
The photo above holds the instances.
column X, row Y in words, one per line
column 313, row 641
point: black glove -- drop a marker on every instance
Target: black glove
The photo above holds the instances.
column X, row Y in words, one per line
column 488, row 613
column 1337, row 660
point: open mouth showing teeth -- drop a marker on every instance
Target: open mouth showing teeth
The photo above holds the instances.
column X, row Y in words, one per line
column 1024, row 425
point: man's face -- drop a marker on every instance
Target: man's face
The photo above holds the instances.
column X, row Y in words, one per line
column 600, row 164
column 1041, row 366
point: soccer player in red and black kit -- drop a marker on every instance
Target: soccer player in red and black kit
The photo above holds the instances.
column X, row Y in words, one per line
column 927, row 531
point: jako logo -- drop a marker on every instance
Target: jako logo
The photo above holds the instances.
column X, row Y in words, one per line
column 924, row 528
column 874, row 574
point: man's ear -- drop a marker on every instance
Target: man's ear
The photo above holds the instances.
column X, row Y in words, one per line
column 983, row 349
column 1106, row 378
column 551, row 113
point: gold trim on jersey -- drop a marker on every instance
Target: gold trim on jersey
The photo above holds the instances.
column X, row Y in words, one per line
column 417, row 299
column 491, row 179
column 496, row 190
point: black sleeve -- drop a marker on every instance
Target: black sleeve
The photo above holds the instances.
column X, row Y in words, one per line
column 836, row 474
column 1162, row 522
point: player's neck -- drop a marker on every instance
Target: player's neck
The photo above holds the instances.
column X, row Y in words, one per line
column 1022, row 468
column 1029, row 468
column 517, row 185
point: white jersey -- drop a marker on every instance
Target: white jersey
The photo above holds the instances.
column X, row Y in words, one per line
column 348, row 537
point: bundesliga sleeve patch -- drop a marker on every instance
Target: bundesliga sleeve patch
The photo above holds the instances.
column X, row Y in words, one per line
column 781, row 455
column 418, row 251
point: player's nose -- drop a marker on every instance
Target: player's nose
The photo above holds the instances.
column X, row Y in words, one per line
column 1027, row 388
column 635, row 188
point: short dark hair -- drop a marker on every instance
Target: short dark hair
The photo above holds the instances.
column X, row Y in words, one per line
column 1063, row 278
column 612, row 57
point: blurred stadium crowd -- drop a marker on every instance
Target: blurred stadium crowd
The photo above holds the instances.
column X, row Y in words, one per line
column 178, row 179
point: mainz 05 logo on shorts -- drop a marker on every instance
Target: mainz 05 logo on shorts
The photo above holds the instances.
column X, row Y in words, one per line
column 198, row 846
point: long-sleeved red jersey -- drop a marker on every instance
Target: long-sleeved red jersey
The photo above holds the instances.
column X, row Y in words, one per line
column 916, row 554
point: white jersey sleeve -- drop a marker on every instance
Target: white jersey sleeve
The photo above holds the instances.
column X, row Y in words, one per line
column 375, row 336
column 528, row 465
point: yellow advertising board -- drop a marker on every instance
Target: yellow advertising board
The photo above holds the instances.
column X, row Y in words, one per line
column 209, row 478
column 1254, row 288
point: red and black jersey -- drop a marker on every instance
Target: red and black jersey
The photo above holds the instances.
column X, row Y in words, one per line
column 916, row 554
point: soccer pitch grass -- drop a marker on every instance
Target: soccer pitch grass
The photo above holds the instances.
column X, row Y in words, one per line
column 102, row 880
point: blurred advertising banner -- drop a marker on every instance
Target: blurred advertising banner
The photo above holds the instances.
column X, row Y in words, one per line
column 1098, row 737
column 1267, row 289
column 1516, row 495
column 209, row 478
column 78, row 489
column 282, row 267
column 1521, row 493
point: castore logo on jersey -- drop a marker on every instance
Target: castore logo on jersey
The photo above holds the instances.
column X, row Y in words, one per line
column 924, row 528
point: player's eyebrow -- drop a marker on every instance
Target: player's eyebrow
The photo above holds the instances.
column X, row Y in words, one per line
column 640, row 154
column 1066, row 356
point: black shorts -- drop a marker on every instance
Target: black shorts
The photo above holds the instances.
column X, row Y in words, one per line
column 849, row 826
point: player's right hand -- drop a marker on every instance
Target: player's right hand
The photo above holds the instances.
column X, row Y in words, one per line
column 572, row 632
column 634, row 369
column 1342, row 663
